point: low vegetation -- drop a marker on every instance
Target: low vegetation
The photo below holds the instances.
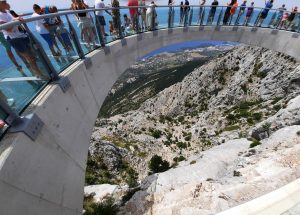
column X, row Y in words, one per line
column 157, row 164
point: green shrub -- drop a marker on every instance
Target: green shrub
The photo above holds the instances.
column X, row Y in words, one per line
column 178, row 159
column 254, row 143
column 193, row 162
column 236, row 173
column 244, row 88
column 181, row 145
column 231, row 128
column 250, row 120
column 277, row 107
column 257, row 116
column 181, row 118
column 131, row 178
column 106, row 207
column 157, row 164
column 156, row 134
column 188, row 138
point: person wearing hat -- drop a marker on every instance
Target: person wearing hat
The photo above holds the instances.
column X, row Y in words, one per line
column 18, row 40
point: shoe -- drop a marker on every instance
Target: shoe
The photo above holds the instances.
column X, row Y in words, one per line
column 10, row 102
column 2, row 124
column 19, row 68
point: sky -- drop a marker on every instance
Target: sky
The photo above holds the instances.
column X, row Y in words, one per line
column 26, row 5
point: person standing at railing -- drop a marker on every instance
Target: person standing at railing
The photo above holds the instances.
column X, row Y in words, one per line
column 241, row 12
column 284, row 20
column 249, row 13
column 63, row 32
column 43, row 29
column 292, row 17
column 99, row 4
column 171, row 13
column 9, row 53
column 19, row 40
column 134, row 13
column 229, row 11
column 296, row 25
column 280, row 12
column 85, row 24
column 186, row 12
column 233, row 10
column 151, row 16
column 142, row 12
column 181, row 12
column 202, row 4
column 264, row 13
column 212, row 11
column 116, row 17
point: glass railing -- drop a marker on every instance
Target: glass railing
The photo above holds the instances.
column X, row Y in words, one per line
column 33, row 57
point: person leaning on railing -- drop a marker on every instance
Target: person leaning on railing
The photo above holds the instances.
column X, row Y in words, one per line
column 19, row 40
column 265, row 11
column 85, row 24
column 202, row 4
column 249, row 13
column 212, row 11
column 116, row 17
column 99, row 4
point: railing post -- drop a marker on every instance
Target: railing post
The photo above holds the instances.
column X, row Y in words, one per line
column 98, row 30
column 202, row 15
column 170, row 17
column 153, row 18
column 191, row 17
column 31, row 124
column 257, row 18
column 272, row 19
column 75, row 39
column 220, row 17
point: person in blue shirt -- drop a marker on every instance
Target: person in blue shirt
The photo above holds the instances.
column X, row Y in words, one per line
column 264, row 13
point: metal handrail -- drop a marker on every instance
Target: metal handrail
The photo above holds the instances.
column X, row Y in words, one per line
column 69, row 12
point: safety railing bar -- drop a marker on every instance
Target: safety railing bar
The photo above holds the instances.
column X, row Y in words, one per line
column 68, row 12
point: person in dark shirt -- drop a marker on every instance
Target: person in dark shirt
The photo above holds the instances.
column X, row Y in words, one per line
column 186, row 11
column 181, row 12
column 212, row 12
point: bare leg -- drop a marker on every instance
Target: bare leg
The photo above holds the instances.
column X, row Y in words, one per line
column 12, row 58
column 29, row 57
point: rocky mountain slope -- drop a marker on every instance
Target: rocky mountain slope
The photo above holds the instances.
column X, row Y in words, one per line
column 246, row 98
column 153, row 74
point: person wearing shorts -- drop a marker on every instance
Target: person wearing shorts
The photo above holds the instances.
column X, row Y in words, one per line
column 264, row 13
column 42, row 28
column 9, row 53
column 99, row 4
column 18, row 40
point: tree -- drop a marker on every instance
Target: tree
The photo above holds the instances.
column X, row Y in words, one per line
column 157, row 164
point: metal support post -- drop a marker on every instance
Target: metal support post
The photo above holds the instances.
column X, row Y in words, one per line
column 31, row 124
column 191, row 17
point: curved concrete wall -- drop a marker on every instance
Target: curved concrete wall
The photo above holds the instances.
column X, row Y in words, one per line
column 47, row 176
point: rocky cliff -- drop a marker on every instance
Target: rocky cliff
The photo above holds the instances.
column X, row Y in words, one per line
column 245, row 98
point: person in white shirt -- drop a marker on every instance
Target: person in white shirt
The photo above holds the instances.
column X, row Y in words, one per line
column 18, row 40
column 42, row 28
column 99, row 4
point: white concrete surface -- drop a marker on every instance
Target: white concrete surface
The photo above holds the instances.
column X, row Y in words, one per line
column 47, row 176
column 276, row 202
